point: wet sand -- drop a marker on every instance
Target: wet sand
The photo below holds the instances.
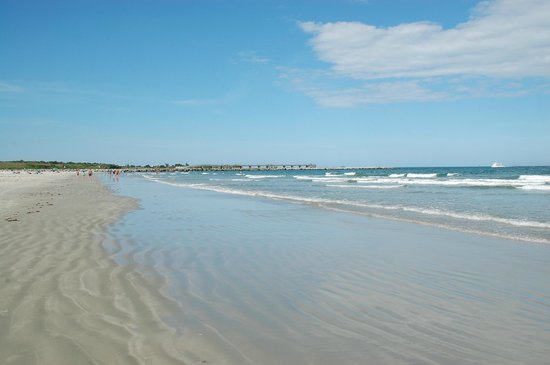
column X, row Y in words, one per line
column 259, row 281
column 194, row 277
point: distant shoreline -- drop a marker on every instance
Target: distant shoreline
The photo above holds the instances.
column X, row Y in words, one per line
column 190, row 169
column 106, row 167
column 74, row 166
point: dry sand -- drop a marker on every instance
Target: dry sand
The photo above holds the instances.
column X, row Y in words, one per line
column 62, row 300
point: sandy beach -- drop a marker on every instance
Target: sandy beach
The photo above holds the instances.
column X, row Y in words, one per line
column 56, row 292
column 346, row 182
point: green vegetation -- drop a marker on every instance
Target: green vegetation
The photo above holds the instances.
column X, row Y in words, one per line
column 21, row 165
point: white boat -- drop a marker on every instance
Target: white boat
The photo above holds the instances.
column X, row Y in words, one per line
column 497, row 164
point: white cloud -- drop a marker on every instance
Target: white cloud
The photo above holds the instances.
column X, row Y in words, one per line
column 6, row 87
column 378, row 93
column 196, row 102
column 502, row 39
column 321, row 86
column 54, row 88
column 252, row 57
column 503, row 50
column 227, row 98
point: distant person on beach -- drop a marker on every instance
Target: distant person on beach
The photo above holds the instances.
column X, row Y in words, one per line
column 90, row 172
column 77, row 173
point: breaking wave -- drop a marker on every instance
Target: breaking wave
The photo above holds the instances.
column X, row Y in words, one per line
column 341, row 204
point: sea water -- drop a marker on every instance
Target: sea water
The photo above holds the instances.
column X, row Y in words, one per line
column 512, row 202
column 259, row 272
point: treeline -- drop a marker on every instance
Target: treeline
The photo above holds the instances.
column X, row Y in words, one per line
column 22, row 165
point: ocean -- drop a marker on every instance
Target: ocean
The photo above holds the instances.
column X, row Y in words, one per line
column 300, row 267
column 510, row 202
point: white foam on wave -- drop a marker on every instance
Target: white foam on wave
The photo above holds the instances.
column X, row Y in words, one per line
column 333, row 174
column 396, row 175
column 263, row 176
column 535, row 178
column 479, row 217
column 323, row 179
column 531, row 183
column 327, row 202
column 332, row 178
column 421, row 176
column 366, row 186
column 461, row 182
column 535, row 187
column 452, row 174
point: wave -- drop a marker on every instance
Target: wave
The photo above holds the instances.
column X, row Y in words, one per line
column 262, row 176
column 342, row 203
column 535, row 178
column 452, row 174
column 366, row 186
column 421, row 176
column 535, row 187
column 397, row 175
column 396, row 179
column 331, row 174
column 479, row 217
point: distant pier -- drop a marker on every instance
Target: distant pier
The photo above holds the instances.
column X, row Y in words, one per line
column 247, row 167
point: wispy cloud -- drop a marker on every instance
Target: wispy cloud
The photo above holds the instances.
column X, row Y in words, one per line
column 55, row 88
column 376, row 93
column 199, row 102
column 30, row 122
column 252, row 57
column 502, row 40
column 328, row 90
column 7, row 87
column 69, row 92
column 227, row 98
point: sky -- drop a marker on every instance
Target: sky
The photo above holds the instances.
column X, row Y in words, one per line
column 350, row 82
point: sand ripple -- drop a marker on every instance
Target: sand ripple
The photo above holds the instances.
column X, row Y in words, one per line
column 62, row 300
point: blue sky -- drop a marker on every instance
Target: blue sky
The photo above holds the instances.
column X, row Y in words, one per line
column 377, row 82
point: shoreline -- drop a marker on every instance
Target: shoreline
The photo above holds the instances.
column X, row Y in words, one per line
column 253, row 275
column 204, row 277
column 323, row 205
